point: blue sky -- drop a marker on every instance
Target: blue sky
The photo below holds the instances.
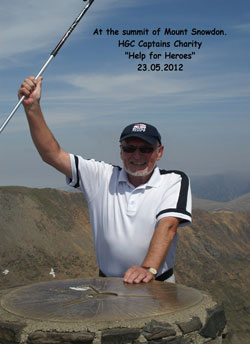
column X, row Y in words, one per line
column 91, row 90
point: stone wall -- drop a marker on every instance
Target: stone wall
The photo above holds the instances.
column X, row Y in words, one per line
column 193, row 330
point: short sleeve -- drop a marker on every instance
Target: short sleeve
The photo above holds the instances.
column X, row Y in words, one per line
column 176, row 200
column 88, row 175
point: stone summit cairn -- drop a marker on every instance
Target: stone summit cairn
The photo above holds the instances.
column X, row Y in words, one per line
column 107, row 311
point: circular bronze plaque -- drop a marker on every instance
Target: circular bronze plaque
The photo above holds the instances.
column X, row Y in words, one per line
column 98, row 299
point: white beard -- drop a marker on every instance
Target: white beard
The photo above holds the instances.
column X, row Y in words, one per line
column 139, row 173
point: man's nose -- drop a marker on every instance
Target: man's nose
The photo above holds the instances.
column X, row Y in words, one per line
column 137, row 152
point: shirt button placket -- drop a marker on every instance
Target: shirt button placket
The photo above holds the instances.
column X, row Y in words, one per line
column 131, row 204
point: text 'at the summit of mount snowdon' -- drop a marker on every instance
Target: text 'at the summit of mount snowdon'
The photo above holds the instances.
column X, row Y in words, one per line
column 161, row 49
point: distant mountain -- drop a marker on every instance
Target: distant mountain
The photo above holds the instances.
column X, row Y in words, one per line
column 220, row 187
column 42, row 229
column 240, row 204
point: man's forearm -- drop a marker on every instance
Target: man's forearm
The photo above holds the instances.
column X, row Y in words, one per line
column 160, row 243
column 158, row 249
column 43, row 139
column 46, row 144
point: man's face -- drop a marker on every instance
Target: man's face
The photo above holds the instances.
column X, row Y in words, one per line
column 138, row 163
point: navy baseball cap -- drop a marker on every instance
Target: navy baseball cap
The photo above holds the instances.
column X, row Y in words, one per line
column 144, row 131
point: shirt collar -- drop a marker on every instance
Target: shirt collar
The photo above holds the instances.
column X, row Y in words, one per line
column 153, row 182
column 123, row 176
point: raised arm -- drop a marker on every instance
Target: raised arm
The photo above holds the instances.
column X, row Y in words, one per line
column 158, row 249
column 45, row 142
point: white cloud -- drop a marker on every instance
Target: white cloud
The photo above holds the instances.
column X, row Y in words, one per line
column 127, row 87
column 31, row 25
column 243, row 27
column 123, row 87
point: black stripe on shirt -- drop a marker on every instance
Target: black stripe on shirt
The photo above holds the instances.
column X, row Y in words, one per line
column 174, row 210
column 119, row 168
column 77, row 172
column 182, row 200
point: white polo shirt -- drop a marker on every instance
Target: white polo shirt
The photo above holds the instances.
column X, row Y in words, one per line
column 123, row 217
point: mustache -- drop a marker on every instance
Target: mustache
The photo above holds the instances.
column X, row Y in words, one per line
column 137, row 161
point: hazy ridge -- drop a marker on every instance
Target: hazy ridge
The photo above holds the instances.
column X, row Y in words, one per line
column 221, row 187
column 240, row 204
column 42, row 229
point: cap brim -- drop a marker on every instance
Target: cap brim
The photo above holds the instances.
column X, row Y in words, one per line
column 150, row 140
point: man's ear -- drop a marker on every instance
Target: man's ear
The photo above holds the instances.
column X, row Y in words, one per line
column 121, row 153
column 160, row 152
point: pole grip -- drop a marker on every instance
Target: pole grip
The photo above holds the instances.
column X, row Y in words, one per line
column 72, row 27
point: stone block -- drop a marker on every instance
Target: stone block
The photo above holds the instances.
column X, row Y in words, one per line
column 120, row 335
column 157, row 330
column 215, row 322
column 10, row 332
column 217, row 340
column 190, row 326
column 172, row 340
column 41, row 337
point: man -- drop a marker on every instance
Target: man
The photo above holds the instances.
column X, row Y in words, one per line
column 135, row 210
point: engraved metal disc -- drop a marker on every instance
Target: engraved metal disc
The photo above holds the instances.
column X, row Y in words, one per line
column 98, row 299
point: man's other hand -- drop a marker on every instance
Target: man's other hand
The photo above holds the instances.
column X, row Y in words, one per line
column 137, row 274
